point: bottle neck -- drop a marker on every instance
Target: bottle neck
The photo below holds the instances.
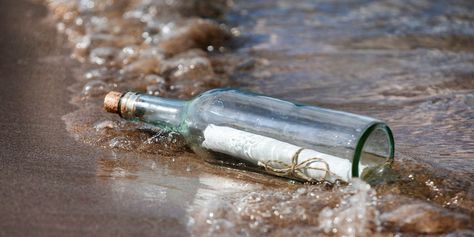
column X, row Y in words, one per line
column 163, row 112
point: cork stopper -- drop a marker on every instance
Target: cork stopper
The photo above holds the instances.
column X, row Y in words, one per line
column 111, row 102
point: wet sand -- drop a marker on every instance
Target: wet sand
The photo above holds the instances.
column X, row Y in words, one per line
column 48, row 181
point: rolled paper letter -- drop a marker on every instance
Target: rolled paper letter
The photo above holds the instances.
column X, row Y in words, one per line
column 260, row 150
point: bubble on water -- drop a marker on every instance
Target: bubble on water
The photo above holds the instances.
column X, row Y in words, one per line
column 155, row 89
column 155, row 79
column 86, row 4
column 235, row 31
column 301, row 191
column 356, row 215
column 102, row 55
column 101, row 73
column 156, row 84
column 95, row 88
column 89, row 6
column 196, row 34
column 188, row 87
column 154, row 52
column 128, row 54
column 192, row 69
column 153, row 26
column 120, row 41
column 100, row 24
column 168, row 28
column 81, row 47
column 142, row 66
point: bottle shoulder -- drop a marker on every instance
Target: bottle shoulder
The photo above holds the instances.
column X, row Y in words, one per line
column 217, row 92
column 212, row 96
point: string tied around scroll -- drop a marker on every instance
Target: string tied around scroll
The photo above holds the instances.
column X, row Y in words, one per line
column 295, row 169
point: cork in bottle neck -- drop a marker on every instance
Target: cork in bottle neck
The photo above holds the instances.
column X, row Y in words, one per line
column 112, row 102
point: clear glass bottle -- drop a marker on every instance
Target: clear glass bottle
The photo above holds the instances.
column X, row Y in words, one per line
column 287, row 139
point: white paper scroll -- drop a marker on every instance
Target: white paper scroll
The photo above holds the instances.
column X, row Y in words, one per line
column 256, row 148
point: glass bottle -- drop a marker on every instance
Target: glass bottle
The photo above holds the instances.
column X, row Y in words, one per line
column 287, row 139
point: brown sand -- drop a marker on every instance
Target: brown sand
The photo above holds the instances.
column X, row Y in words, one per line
column 48, row 183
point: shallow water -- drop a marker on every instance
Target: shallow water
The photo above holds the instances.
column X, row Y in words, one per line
column 408, row 63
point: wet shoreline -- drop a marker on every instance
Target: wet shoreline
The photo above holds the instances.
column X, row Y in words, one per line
column 132, row 179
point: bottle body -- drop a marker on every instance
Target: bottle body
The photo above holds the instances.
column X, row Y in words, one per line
column 286, row 139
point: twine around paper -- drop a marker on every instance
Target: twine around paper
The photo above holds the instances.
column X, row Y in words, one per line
column 295, row 169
